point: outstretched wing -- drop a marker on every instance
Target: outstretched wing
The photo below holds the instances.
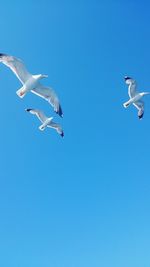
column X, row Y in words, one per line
column 140, row 106
column 132, row 87
column 49, row 94
column 57, row 127
column 17, row 66
column 40, row 114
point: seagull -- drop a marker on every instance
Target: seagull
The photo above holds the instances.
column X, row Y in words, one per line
column 46, row 122
column 31, row 82
column 135, row 97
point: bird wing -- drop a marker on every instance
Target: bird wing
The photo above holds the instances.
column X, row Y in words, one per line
column 48, row 94
column 140, row 106
column 40, row 114
column 17, row 66
column 57, row 127
column 132, row 88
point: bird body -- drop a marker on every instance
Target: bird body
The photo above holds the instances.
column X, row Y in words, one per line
column 29, row 85
column 135, row 97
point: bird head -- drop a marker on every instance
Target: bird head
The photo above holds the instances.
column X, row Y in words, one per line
column 145, row 93
column 40, row 76
column 127, row 79
column 44, row 76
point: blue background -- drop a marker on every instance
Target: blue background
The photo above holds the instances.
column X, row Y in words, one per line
column 83, row 200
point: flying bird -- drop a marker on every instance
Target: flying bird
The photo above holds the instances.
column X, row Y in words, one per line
column 135, row 96
column 46, row 122
column 31, row 82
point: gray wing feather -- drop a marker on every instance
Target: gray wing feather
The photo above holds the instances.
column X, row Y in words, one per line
column 17, row 66
column 48, row 94
column 57, row 127
column 40, row 114
column 132, row 91
column 140, row 106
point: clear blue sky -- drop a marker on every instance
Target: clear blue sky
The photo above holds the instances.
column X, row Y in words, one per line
column 83, row 200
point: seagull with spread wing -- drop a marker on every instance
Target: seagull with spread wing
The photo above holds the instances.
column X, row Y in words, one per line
column 31, row 82
column 46, row 122
column 135, row 96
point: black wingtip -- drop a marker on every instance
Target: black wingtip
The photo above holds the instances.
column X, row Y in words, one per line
column 59, row 111
column 62, row 134
column 28, row 109
column 1, row 55
column 141, row 116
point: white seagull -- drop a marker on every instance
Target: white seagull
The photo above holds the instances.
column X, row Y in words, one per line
column 135, row 96
column 31, row 82
column 46, row 122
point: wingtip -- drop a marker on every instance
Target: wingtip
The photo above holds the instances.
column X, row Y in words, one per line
column 141, row 117
column 1, row 55
column 62, row 134
column 59, row 111
column 60, row 114
column 28, row 109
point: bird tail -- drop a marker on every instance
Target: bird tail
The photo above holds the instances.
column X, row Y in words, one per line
column 21, row 93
